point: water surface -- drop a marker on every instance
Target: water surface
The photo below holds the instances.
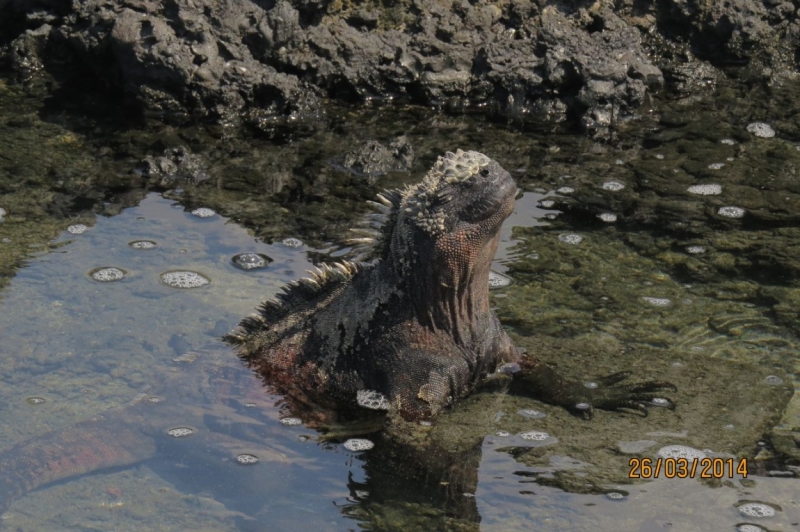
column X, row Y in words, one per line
column 671, row 288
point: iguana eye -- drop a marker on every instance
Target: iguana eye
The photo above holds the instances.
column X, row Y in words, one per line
column 485, row 172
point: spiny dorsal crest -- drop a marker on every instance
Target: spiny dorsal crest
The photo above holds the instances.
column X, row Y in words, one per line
column 375, row 232
column 452, row 168
column 295, row 295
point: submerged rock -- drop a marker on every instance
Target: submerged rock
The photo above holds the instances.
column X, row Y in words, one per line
column 374, row 159
column 173, row 166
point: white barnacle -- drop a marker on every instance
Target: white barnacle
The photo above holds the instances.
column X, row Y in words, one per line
column 372, row 399
column 358, row 444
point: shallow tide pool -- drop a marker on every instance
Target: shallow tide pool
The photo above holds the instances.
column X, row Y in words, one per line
column 675, row 257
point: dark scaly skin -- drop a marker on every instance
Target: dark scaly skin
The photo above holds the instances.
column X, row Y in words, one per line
column 414, row 326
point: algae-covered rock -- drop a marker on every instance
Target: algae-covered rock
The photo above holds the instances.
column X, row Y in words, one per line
column 724, row 407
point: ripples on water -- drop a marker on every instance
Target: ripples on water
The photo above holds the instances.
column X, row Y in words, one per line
column 647, row 266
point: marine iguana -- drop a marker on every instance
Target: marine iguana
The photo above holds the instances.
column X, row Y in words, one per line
column 411, row 330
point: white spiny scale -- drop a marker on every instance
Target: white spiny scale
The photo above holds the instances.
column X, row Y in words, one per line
column 385, row 207
column 364, row 231
column 309, row 282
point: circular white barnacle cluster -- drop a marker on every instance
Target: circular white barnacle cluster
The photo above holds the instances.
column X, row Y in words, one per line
column 180, row 432
column 613, row 186
column 372, row 400
column 761, row 129
column 657, row 301
column 731, row 212
column 183, row 279
column 246, row 459
column 203, row 212
column 681, row 451
column 77, row 229
column 358, row 444
column 756, row 509
column 710, row 189
column 535, row 435
column 107, row 275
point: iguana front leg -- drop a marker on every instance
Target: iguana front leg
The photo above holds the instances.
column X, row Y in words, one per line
column 535, row 378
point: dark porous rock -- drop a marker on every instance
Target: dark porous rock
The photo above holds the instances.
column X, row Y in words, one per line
column 373, row 159
column 174, row 166
column 23, row 54
column 268, row 64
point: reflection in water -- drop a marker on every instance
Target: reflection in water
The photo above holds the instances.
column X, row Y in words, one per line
column 657, row 225
column 88, row 347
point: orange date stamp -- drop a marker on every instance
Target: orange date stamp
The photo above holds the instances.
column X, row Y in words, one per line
column 705, row 468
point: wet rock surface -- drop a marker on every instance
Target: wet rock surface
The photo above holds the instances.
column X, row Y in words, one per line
column 268, row 62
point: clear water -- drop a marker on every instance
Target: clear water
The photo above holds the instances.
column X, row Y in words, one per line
column 627, row 295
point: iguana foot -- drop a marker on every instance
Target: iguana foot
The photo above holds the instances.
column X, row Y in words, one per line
column 606, row 393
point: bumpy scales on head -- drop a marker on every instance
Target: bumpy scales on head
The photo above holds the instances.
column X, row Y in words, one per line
column 411, row 328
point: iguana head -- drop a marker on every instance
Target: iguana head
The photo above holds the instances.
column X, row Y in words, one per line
column 445, row 236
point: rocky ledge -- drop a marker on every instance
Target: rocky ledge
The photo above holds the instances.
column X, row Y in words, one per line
column 267, row 62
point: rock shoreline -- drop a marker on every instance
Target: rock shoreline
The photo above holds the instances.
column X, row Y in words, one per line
column 269, row 63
